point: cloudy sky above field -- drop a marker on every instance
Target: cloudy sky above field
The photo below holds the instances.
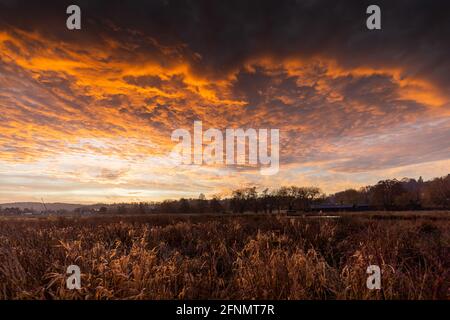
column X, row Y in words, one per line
column 87, row 116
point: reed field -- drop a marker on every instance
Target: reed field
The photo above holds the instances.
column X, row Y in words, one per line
column 226, row 257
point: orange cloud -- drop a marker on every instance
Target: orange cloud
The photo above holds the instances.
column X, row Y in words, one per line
column 111, row 102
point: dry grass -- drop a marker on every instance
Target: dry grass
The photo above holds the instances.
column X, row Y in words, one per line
column 243, row 257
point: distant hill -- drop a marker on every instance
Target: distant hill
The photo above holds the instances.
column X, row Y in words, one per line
column 38, row 206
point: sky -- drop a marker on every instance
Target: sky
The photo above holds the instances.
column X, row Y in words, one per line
column 86, row 115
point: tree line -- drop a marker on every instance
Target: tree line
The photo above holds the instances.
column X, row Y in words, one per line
column 406, row 194
column 390, row 194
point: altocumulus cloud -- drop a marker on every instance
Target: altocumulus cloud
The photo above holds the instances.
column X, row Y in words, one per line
column 93, row 110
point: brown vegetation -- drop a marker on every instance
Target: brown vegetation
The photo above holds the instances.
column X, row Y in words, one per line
column 234, row 257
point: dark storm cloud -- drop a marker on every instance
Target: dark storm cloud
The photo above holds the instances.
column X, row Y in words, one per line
column 414, row 33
